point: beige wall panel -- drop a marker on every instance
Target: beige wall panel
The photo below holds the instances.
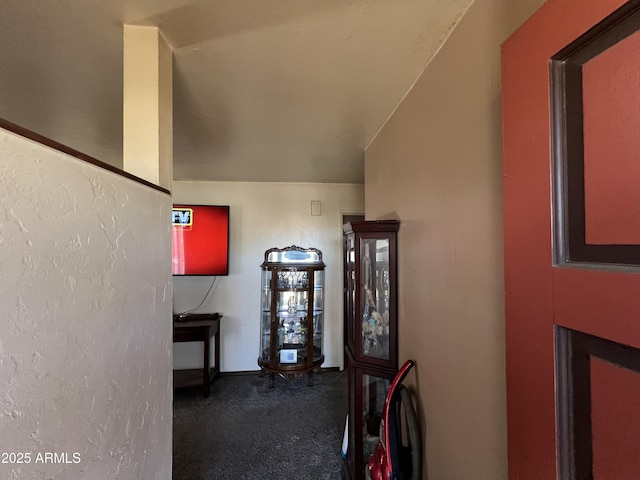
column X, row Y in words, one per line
column 86, row 344
column 436, row 165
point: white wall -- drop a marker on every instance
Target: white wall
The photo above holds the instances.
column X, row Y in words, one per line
column 264, row 215
column 436, row 165
column 85, row 290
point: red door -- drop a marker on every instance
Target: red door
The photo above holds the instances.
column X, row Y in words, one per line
column 571, row 119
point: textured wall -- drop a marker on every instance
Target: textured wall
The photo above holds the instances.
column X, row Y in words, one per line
column 85, row 348
column 265, row 215
column 437, row 166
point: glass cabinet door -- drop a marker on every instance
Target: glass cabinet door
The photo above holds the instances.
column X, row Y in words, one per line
column 318, row 314
column 374, row 392
column 350, row 289
column 374, row 301
column 265, row 322
column 370, row 291
column 368, row 387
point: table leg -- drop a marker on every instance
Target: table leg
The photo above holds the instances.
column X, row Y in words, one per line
column 207, row 365
column 216, row 367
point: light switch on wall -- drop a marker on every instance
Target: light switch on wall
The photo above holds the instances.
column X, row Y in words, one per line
column 316, row 207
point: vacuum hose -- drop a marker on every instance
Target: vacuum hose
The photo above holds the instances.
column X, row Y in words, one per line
column 413, row 434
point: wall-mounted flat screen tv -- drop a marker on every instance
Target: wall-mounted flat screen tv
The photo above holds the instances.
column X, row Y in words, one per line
column 200, row 240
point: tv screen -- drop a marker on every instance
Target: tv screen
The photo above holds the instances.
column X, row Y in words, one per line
column 200, row 240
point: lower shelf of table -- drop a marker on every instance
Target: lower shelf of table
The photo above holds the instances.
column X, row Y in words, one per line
column 192, row 377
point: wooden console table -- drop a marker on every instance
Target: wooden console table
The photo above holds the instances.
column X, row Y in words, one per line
column 198, row 327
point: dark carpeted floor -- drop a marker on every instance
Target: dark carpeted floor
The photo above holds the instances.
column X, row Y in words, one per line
column 248, row 431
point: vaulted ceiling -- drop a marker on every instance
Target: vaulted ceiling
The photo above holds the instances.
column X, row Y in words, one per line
column 264, row 90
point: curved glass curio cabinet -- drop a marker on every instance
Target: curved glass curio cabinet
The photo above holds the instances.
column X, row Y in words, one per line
column 292, row 312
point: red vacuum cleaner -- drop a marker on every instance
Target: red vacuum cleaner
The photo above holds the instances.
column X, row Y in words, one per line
column 392, row 460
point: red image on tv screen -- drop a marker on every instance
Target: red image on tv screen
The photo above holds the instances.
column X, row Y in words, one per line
column 200, row 240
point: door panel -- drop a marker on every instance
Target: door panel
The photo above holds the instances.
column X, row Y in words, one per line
column 595, row 119
column 571, row 274
column 611, row 120
column 615, row 398
column 598, row 389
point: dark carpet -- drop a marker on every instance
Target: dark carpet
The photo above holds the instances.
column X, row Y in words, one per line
column 248, row 431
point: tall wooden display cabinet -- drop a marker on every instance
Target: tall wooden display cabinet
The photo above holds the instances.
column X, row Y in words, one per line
column 370, row 249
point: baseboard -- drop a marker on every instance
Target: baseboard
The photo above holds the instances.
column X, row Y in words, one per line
column 257, row 372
